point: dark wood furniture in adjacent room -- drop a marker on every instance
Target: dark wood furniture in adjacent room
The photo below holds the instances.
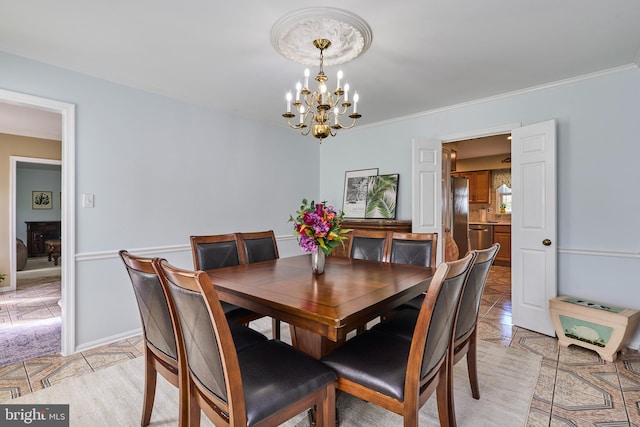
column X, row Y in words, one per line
column 54, row 248
column 37, row 233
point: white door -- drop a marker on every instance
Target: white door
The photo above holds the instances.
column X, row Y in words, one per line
column 427, row 188
column 533, row 224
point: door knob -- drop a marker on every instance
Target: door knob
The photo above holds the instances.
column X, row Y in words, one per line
column 546, row 242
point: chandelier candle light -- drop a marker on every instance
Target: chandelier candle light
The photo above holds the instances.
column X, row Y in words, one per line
column 319, row 111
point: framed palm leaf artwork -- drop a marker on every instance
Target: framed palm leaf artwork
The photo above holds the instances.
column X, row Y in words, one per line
column 382, row 196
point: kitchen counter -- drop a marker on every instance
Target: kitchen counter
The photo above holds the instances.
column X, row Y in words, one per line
column 489, row 223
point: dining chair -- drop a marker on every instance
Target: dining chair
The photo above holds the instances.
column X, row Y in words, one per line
column 415, row 249
column 160, row 352
column 465, row 341
column 465, row 338
column 216, row 251
column 261, row 384
column 260, row 246
column 398, row 374
column 368, row 244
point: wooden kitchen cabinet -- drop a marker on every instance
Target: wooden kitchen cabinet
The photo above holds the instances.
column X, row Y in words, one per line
column 479, row 183
column 502, row 235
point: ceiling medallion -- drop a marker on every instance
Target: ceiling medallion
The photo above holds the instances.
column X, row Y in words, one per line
column 293, row 35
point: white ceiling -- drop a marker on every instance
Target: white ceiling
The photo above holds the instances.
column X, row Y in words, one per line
column 490, row 146
column 23, row 121
column 424, row 54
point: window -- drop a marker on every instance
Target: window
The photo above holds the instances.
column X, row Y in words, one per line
column 503, row 196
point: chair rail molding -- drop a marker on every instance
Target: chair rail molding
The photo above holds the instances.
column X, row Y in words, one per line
column 599, row 253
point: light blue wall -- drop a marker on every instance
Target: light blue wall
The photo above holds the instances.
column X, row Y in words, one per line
column 162, row 170
column 598, row 156
column 28, row 180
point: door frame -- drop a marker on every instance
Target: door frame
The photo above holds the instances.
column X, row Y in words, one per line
column 68, row 220
column 13, row 214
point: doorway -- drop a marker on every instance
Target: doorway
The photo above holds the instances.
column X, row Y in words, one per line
column 483, row 164
column 66, row 113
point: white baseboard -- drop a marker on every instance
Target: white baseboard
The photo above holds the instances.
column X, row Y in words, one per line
column 108, row 340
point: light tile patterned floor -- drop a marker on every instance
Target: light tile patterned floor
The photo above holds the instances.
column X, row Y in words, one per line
column 575, row 387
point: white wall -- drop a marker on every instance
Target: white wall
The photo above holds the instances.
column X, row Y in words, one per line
column 27, row 180
column 598, row 151
column 162, row 170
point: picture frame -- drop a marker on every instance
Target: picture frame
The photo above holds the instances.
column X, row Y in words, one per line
column 41, row 200
column 382, row 196
column 354, row 200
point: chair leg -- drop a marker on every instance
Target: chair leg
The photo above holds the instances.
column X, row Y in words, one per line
column 275, row 328
column 184, row 400
column 326, row 411
column 150, row 376
column 472, row 367
column 410, row 419
column 444, row 393
column 194, row 408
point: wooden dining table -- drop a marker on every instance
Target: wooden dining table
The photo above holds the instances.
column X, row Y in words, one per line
column 320, row 309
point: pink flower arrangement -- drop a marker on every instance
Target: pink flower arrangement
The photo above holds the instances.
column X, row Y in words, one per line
column 318, row 226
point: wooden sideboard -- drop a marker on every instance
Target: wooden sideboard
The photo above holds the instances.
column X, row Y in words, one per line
column 403, row 226
column 37, row 233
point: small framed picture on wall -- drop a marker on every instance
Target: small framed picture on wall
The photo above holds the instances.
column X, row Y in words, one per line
column 41, row 200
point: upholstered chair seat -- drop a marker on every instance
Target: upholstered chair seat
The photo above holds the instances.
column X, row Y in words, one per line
column 384, row 370
column 287, row 373
column 401, row 324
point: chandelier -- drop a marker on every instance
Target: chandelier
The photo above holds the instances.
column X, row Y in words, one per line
column 298, row 36
column 319, row 111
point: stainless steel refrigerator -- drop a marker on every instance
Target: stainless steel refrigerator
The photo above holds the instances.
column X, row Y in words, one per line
column 460, row 213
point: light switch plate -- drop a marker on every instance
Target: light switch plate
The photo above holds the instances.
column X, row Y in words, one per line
column 87, row 200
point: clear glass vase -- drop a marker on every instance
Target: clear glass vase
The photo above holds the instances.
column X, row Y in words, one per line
column 317, row 262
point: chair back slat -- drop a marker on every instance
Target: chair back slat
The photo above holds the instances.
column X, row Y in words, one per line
column 258, row 246
column 368, row 244
column 443, row 313
column 200, row 342
column 214, row 251
column 152, row 304
column 414, row 248
column 470, row 304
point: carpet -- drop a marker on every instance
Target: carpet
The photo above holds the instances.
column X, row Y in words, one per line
column 26, row 341
column 113, row 396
